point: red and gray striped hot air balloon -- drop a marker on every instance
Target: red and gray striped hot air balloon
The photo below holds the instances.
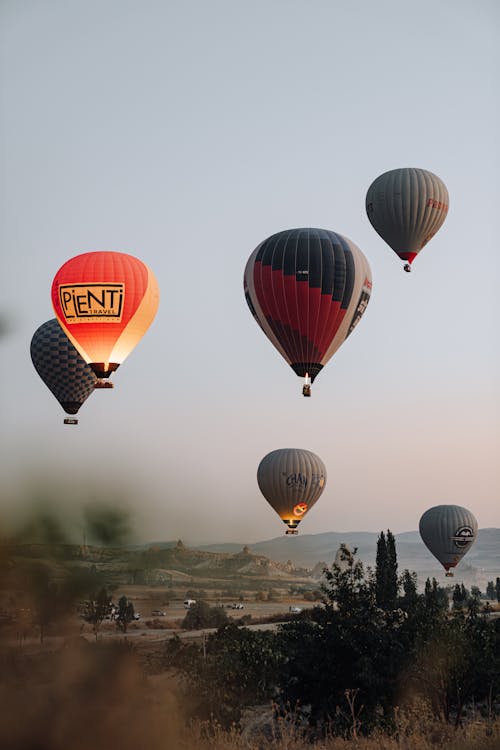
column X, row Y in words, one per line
column 406, row 207
column 307, row 289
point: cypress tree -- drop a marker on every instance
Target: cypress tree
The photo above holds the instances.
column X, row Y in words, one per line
column 381, row 571
column 386, row 572
column 391, row 583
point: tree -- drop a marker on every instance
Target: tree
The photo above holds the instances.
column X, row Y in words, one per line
column 350, row 646
column 435, row 598
column 201, row 615
column 497, row 587
column 408, row 583
column 392, row 570
column 97, row 608
column 45, row 596
column 475, row 593
column 386, row 572
column 234, row 668
column 490, row 590
column 125, row 613
column 460, row 596
column 380, row 569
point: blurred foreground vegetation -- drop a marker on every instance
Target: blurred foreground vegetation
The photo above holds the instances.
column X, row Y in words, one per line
column 374, row 665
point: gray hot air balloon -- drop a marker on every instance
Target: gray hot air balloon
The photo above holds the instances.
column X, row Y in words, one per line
column 407, row 207
column 61, row 368
column 291, row 480
column 449, row 531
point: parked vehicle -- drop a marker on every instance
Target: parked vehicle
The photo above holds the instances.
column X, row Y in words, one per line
column 188, row 603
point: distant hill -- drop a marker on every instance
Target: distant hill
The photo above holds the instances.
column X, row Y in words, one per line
column 480, row 565
column 155, row 564
column 283, row 558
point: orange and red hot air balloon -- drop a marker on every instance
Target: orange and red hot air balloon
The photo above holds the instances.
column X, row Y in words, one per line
column 105, row 301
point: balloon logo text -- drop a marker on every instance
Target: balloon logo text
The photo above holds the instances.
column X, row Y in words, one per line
column 296, row 480
column 300, row 509
column 463, row 536
column 90, row 303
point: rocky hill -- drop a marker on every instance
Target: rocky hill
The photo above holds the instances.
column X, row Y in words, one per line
column 297, row 557
column 480, row 565
column 157, row 563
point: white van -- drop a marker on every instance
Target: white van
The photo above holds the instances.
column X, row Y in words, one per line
column 188, row 603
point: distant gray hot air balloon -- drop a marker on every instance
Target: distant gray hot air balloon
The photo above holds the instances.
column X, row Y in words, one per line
column 449, row 531
column 61, row 368
column 291, row 480
column 407, row 207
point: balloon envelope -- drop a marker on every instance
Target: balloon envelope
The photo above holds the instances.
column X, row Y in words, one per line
column 406, row 207
column 291, row 480
column 448, row 531
column 307, row 289
column 61, row 368
column 105, row 302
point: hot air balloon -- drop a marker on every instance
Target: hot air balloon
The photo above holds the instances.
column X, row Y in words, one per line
column 61, row 368
column 449, row 531
column 407, row 207
column 291, row 480
column 307, row 289
column 105, row 302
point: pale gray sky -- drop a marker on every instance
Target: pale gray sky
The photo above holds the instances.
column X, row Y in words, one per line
column 185, row 134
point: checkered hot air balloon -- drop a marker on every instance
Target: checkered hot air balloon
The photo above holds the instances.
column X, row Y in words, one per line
column 61, row 368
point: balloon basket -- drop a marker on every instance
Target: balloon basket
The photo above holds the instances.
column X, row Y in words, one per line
column 70, row 421
column 407, row 267
column 104, row 384
column 449, row 574
column 306, row 388
column 291, row 531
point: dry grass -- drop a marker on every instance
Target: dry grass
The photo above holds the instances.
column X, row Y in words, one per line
column 88, row 695
column 437, row 737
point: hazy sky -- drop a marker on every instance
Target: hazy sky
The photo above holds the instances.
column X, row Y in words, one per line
column 186, row 133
